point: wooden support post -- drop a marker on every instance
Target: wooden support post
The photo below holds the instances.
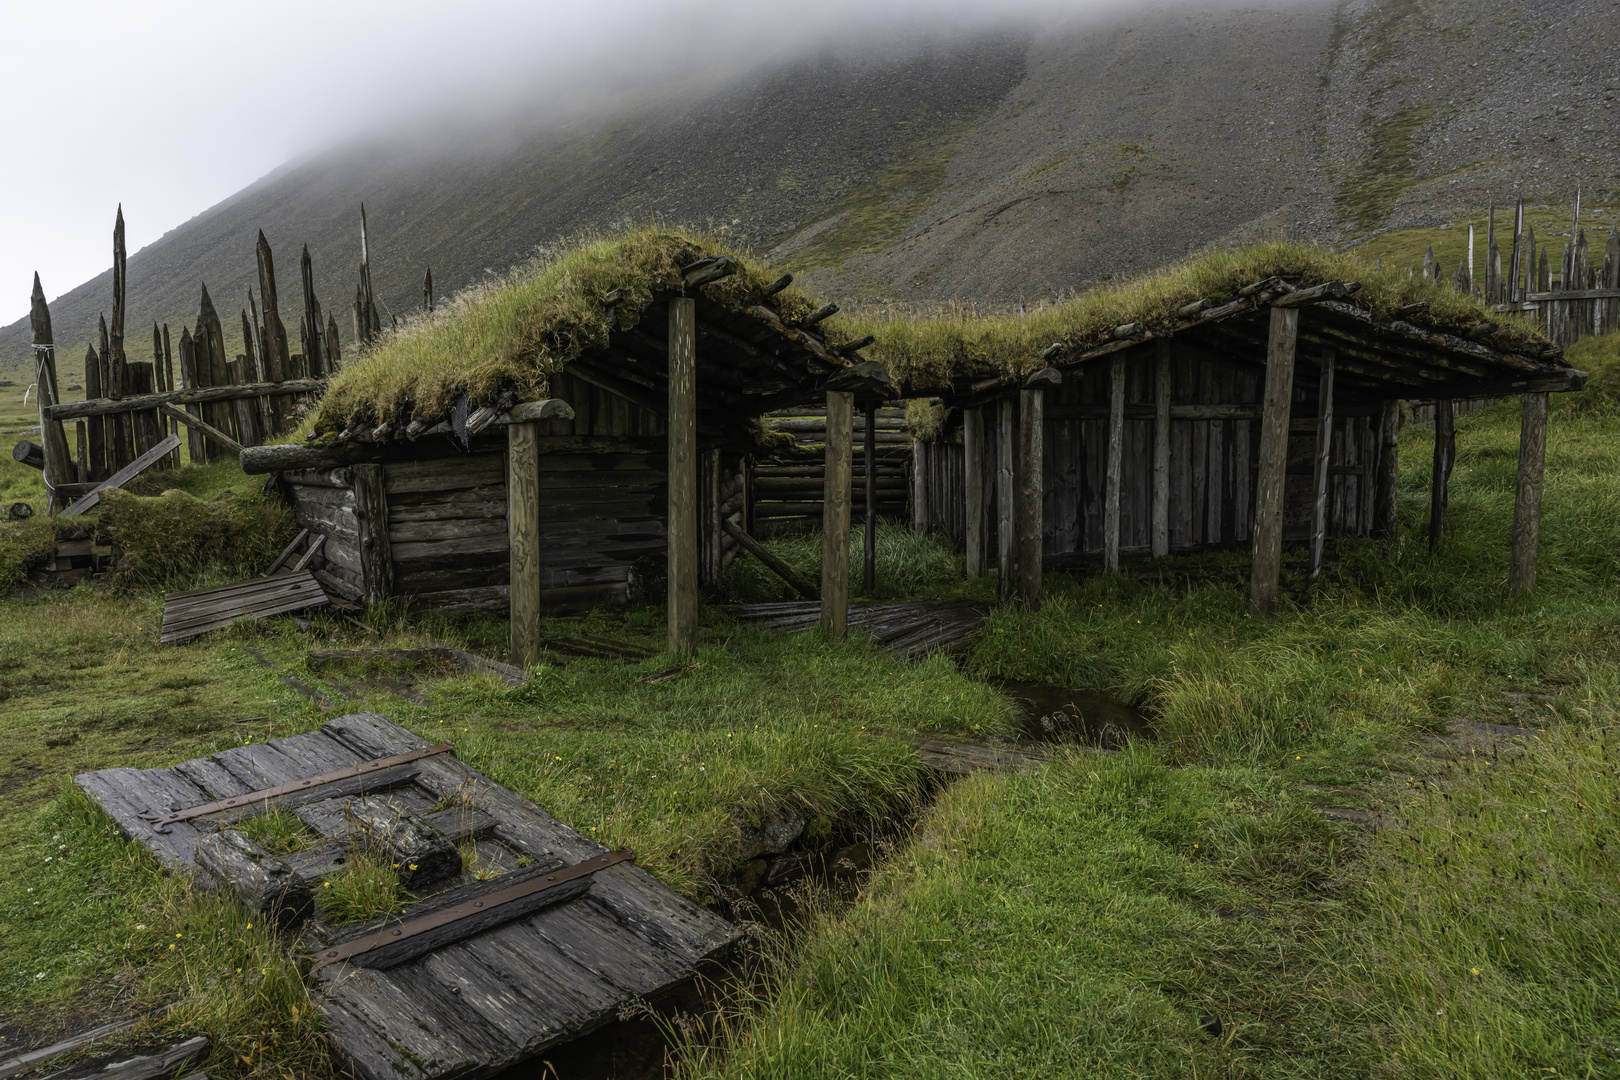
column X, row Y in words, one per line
column 92, row 390
column 189, row 379
column 200, row 428
column 1116, row 453
column 1268, row 498
column 1030, row 491
column 919, row 484
column 371, row 512
column 523, row 537
column 711, row 517
column 835, row 514
column 58, row 465
column 1161, row 449
column 82, row 459
column 683, row 481
column 1324, row 447
column 1006, row 529
column 1386, row 490
column 973, row 519
column 1445, row 455
column 1527, row 500
column 869, row 568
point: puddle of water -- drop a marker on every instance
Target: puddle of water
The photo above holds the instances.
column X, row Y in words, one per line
column 1067, row 714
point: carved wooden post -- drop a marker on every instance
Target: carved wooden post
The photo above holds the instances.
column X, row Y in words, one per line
column 523, row 537
column 973, row 509
column 1445, row 455
column 1006, row 527
column 1386, row 491
column 1268, row 500
column 835, row 500
column 683, row 481
column 1527, row 500
column 1324, row 447
column 869, row 569
column 1161, row 449
column 1030, row 495
column 1116, row 453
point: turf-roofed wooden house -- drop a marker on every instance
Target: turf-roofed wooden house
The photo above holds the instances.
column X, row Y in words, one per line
column 1262, row 414
column 562, row 438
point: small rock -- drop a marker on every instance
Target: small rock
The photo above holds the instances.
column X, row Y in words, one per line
column 775, row 833
column 19, row 510
column 1211, row 1025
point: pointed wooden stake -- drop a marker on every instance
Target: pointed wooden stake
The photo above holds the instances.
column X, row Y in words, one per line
column 58, row 470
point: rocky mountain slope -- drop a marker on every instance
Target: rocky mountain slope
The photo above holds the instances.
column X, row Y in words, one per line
column 1006, row 167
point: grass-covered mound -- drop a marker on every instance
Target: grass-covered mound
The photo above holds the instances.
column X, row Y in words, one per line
column 178, row 539
column 926, row 350
column 516, row 330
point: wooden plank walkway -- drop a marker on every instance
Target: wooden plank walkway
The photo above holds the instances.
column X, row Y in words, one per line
column 476, row 1004
column 908, row 629
column 189, row 615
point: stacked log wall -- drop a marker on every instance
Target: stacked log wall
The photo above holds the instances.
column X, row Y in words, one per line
column 787, row 488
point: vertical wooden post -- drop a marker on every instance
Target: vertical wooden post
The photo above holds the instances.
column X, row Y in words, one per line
column 195, row 448
column 1385, row 491
column 1268, row 499
column 1030, row 479
column 1006, row 528
column 523, row 537
column 973, row 508
column 371, row 512
column 58, row 466
column 122, row 423
column 919, row 483
column 1445, row 455
column 869, row 569
column 1324, row 448
column 1527, row 499
column 683, row 487
column 1116, row 453
column 93, row 390
column 711, row 522
column 83, row 458
column 835, row 500
column 1161, row 449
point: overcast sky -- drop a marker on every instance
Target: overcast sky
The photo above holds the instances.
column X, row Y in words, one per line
column 170, row 106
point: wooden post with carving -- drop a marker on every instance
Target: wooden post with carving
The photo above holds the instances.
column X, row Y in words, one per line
column 683, row 480
column 1268, row 499
column 835, row 514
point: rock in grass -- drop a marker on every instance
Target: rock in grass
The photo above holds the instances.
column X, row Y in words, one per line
column 1211, row 1025
column 770, row 834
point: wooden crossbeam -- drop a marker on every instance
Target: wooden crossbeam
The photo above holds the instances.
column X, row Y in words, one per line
column 197, row 395
column 219, row 438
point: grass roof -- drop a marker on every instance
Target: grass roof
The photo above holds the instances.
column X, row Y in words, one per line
column 518, row 329
column 929, row 349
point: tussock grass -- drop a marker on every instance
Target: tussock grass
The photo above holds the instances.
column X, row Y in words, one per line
column 925, row 349
column 518, row 328
column 366, row 887
column 179, row 539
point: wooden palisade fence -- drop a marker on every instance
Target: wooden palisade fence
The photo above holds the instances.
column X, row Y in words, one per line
column 224, row 403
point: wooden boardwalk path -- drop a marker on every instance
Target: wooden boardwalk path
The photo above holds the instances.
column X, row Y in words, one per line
column 909, row 629
column 527, row 965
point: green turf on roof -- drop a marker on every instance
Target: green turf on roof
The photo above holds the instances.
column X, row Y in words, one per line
column 520, row 328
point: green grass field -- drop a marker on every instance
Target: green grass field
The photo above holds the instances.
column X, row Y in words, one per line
column 1077, row 920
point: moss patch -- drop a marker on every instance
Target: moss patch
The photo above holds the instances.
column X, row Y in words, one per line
column 177, row 536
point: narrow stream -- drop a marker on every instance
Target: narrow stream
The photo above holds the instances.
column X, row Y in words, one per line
column 773, row 892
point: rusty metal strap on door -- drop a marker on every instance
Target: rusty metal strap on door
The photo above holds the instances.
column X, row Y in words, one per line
column 410, row 928
column 160, row 822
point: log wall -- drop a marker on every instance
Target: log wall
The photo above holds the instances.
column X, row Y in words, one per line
column 788, row 487
column 1212, row 469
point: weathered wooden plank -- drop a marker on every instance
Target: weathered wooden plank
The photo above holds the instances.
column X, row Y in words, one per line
column 1006, row 493
column 445, row 474
column 1527, row 494
column 1386, row 491
column 481, row 502
column 122, row 476
column 973, row 506
column 331, row 521
column 1116, row 449
column 836, row 498
column 1268, row 512
column 373, row 542
column 188, row 615
column 446, row 528
column 1324, row 451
